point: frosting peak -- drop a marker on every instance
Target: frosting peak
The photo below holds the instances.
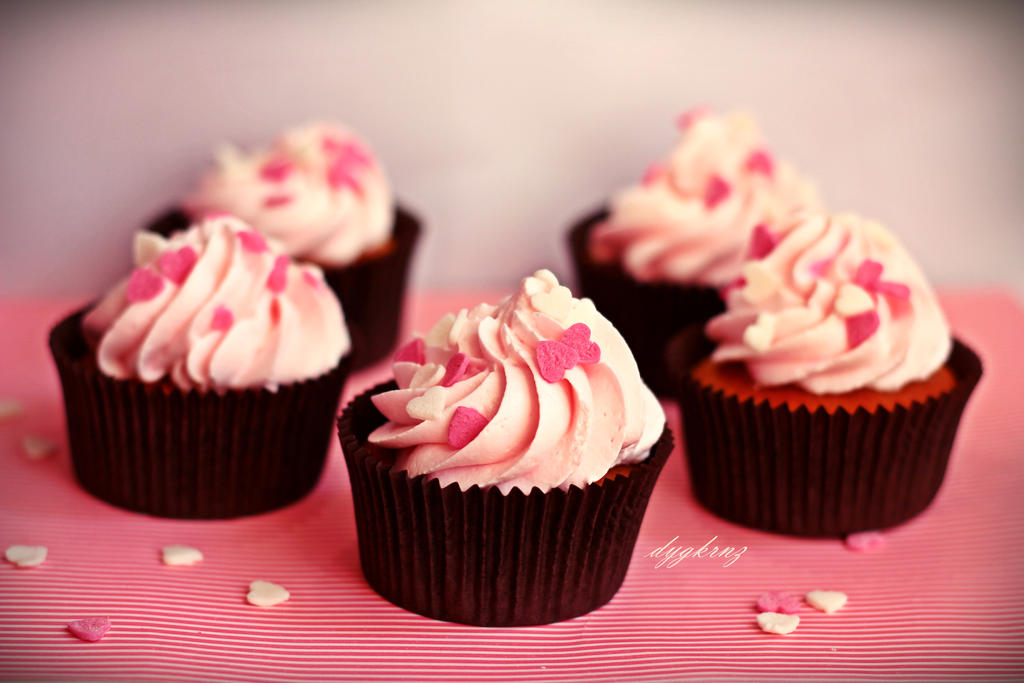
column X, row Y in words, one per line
column 317, row 191
column 537, row 391
column 831, row 304
column 690, row 217
column 214, row 307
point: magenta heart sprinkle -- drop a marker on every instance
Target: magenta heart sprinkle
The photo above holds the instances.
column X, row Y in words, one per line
column 861, row 326
column 252, row 241
column 143, row 285
column 278, row 278
column 455, row 369
column 176, row 265
column 90, row 629
column 716, row 192
column 760, row 161
column 762, row 241
column 466, row 424
column 578, row 338
column 776, row 601
column 413, row 352
column 554, row 358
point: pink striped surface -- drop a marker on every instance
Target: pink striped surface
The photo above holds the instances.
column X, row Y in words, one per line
column 938, row 603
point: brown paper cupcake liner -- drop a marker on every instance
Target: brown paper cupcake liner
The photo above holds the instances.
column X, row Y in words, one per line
column 805, row 473
column 647, row 314
column 479, row 557
column 371, row 290
column 156, row 449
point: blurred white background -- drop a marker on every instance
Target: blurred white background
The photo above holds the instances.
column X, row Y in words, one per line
column 502, row 121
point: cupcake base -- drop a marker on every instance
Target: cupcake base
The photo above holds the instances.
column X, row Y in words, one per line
column 827, row 471
column 371, row 289
column 156, row 449
column 479, row 557
column 647, row 314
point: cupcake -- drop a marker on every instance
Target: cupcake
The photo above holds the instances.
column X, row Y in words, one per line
column 831, row 401
column 205, row 384
column 319, row 194
column 501, row 478
column 654, row 260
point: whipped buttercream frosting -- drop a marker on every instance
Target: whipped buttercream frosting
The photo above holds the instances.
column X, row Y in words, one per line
column 539, row 390
column 317, row 191
column 831, row 304
column 689, row 219
column 215, row 307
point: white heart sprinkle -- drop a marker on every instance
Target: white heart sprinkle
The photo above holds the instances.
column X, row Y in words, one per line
column 37, row 447
column 10, row 407
column 26, row 555
column 428, row 406
column 547, row 276
column 457, row 325
column 229, row 158
column 557, row 303
column 826, row 601
column 773, row 622
column 759, row 335
column 428, row 374
column 266, row 594
column 181, row 555
column 438, row 335
column 761, row 282
column 147, row 247
column 852, row 300
column 583, row 311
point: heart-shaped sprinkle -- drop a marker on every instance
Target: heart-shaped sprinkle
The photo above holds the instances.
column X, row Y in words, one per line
column 653, row 174
column 577, row 337
column 349, row 150
column 826, row 601
column 147, row 247
column 438, row 335
column 310, row 279
column 276, row 200
column 427, row 375
column 690, row 116
column 861, row 326
column 458, row 325
column 38, row 447
column 252, row 241
column 466, row 424
column 556, row 303
column 223, row 319
column 781, row 624
column 782, row 603
column 762, row 242
column 455, row 369
column 266, row 594
column 428, row 406
column 26, row 555
column 176, row 265
column 761, row 283
column 545, row 275
column 554, row 358
column 91, row 629
column 761, row 161
column 181, row 555
column 341, row 173
column 413, row 352
column 276, row 169
column 852, row 300
column 583, row 311
column 143, row 285
column 716, row 192
column 229, row 158
column 896, row 290
column 759, row 336
column 10, row 407
column 278, row 278
column 865, row 541
column 819, row 268
column 868, row 273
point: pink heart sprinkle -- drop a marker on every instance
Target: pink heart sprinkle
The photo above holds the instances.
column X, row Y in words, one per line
column 896, row 290
column 819, row 268
column 776, row 601
column 310, row 279
column 339, row 174
column 276, row 200
column 861, row 326
column 760, row 161
column 716, row 192
column 455, row 369
column 866, row 541
column 554, row 358
column 578, row 338
column 276, row 170
column 278, row 278
column 176, row 265
column 223, row 319
column 653, row 174
column 762, row 241
column 350, row 150
column 252, row 241
column 143, row 285
column 690, row 116
column 413, row 352
column 91, row 629
column 466, row 424
column 868, row 273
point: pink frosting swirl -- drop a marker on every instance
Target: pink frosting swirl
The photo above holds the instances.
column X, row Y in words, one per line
column 493, row 397
column 317, row 191
column 833, row 304
column 689, row 219
column 214, row 307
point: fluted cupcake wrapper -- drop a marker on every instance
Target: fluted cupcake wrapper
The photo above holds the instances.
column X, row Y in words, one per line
column 371, row 290
column 483, row 558
column 153, row 448
column 647, row 314
column 805, row 473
